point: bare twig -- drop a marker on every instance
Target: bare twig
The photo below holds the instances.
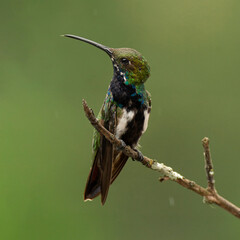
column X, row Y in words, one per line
column 208, row 164
column 210, row 194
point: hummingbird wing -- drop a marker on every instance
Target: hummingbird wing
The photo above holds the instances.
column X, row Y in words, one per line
column 99, row 178
column 106, row 165
column 118, row 163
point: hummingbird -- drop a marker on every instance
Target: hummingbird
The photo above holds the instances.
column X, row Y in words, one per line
column 125, row 113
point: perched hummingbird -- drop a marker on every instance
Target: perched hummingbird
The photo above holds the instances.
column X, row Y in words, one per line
column 125, row 113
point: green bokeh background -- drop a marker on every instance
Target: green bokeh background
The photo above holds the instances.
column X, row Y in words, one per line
column 193, row 49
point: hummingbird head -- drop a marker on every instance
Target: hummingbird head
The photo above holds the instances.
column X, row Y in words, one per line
column 126, row 61
column 131, row 63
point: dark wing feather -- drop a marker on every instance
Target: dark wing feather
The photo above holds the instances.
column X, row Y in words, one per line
column 118, row 164
column 100, row 174
column 106, row 166
column 92, row 188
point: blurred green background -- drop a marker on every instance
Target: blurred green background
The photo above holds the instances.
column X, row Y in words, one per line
column 193, row 50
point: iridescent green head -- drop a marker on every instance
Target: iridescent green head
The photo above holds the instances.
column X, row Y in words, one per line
column 132, row 63
column 127, row 61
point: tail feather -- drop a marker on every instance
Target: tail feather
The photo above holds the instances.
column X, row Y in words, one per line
column 106, row 163
column 96, row 183
column 118, row 165
column 93, row 188
column 99, row 178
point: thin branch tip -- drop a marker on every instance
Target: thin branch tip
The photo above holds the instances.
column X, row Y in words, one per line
column 205, row 142
column 208, row 165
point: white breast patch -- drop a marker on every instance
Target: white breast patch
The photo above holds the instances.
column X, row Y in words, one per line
column 123, row 122
column 146, row 117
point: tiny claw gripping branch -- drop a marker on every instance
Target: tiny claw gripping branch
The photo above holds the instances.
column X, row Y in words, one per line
column 123, row 145
column 140, row 155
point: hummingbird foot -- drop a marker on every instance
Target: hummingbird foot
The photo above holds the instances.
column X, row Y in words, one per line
column 140, row 155
column 123, row 145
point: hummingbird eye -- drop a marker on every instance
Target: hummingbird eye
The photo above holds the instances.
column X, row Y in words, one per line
column 125, row 61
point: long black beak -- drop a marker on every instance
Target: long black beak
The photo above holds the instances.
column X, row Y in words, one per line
column 98, row 45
